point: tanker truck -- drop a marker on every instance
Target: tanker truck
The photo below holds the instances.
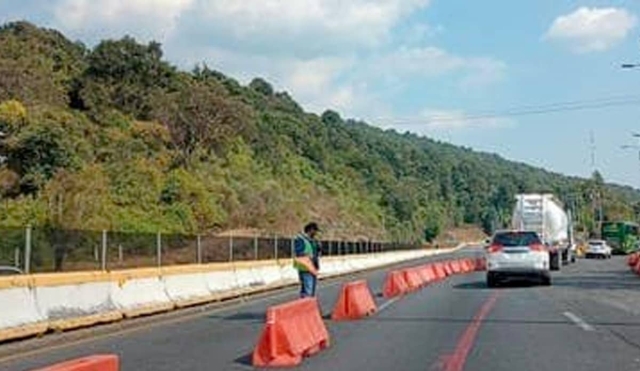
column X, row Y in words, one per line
column 544, row 214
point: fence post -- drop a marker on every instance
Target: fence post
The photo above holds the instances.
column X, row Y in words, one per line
column 27, row 250
column 16, row 257
column 104, row 250
column 255, row 247
column 159, row 249
column 275, row 246
column 293, row 247
column 230, row 246
column 329, row 250
column 120, row 254
column 198, row 250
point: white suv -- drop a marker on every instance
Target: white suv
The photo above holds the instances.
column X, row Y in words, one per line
column 598, row 249
column 517, row 254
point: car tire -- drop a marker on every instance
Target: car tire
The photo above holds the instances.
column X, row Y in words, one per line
column 573, row 258
column 546, row 280
column 492, row 280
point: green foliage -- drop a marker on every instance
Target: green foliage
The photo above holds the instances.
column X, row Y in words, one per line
column 117, row 138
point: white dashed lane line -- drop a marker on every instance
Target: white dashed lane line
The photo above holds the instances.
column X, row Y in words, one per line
column 579, row 322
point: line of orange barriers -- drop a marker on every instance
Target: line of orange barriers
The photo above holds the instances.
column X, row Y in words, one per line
column 633, row 261
column 296, row 330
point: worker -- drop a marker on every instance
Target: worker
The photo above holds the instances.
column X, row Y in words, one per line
column 306, row 259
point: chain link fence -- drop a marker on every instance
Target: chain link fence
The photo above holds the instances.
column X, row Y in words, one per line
column 41, row 250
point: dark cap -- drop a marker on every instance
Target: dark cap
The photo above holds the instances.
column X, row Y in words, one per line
column 313, row 226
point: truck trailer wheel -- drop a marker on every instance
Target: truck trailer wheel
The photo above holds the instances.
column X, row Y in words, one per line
column 555, row 261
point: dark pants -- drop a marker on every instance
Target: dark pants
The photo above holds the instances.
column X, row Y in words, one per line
column 308, row 284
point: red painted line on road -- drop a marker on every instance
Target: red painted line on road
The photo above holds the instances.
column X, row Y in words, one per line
column 457, row 360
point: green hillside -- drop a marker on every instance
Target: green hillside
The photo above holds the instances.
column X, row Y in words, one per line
column 115, row 137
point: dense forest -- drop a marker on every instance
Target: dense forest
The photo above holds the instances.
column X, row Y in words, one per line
column 115, row 137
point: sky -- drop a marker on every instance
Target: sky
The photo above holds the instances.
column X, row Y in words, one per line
column 472, row 73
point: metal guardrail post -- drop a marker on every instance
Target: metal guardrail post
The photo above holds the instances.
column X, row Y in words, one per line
column 103, row 257
column 198, row 249
column 16, row 257
column 27, row 250
column 230, row 246
column 293, row 247
column 159, row 249
column 255, row 247
column 275, row 247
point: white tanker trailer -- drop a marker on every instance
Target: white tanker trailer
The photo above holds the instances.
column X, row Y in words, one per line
column 544, row 214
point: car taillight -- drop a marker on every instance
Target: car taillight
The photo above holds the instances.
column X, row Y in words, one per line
column 537, row 247
column 494, row 248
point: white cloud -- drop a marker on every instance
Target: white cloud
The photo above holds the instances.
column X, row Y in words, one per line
column 149, row 19
column 405, row 65
column 441, row 123
column 592, row 29
column 306, row 24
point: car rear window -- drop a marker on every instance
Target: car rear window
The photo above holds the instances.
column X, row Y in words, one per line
column 516, row 239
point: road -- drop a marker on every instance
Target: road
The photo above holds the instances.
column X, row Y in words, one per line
column 588, row 320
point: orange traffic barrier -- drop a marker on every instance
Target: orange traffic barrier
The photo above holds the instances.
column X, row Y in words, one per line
column 98, row 362
column 355, row 302
column 292, row 331
column 469, row 265
column 412, row 278
column 455, row 265
column 448, row 267
column 394, row 285
column 481, row 264
column 440, row 271
column 426, row 272
column 637, row 267
column 632, row 260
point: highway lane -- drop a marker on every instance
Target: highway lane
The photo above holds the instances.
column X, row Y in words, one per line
column 221, row 338
column 588, row 320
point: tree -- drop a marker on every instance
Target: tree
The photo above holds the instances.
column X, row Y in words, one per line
column 198, row 119
column 125, row 75
column 261, row 86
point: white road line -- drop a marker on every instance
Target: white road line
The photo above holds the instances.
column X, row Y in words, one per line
column 579, row 321
column 387, row 303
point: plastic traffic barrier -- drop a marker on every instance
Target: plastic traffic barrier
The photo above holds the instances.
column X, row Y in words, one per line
column 395, row 285
column 426, row 274
column 481, row 264
column 292, row 331
column 439, row 270
column 99, row 362
column 468, row 266
column 355, row 302
column 456, row 266
column 412, row 278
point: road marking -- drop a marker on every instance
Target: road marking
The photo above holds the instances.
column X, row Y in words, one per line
column 456, row 361
column 579, row 321
column 387, row 303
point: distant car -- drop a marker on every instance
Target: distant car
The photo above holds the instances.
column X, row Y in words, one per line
column 9, row 271
column 598, row 249
column 517, row 254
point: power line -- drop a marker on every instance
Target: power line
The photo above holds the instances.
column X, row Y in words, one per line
column 531, row 110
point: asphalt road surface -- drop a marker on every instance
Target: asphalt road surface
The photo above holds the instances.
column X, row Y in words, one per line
column 588, row 320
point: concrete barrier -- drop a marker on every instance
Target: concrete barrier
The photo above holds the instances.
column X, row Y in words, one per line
column 142, row 296
column 186, row 290
column 30, row 305
column 19, row 315
column 82, row 304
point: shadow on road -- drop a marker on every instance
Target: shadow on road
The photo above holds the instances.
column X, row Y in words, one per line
column 482, row 285
column 245, row 360
column 497, row 321
column 242, row 316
